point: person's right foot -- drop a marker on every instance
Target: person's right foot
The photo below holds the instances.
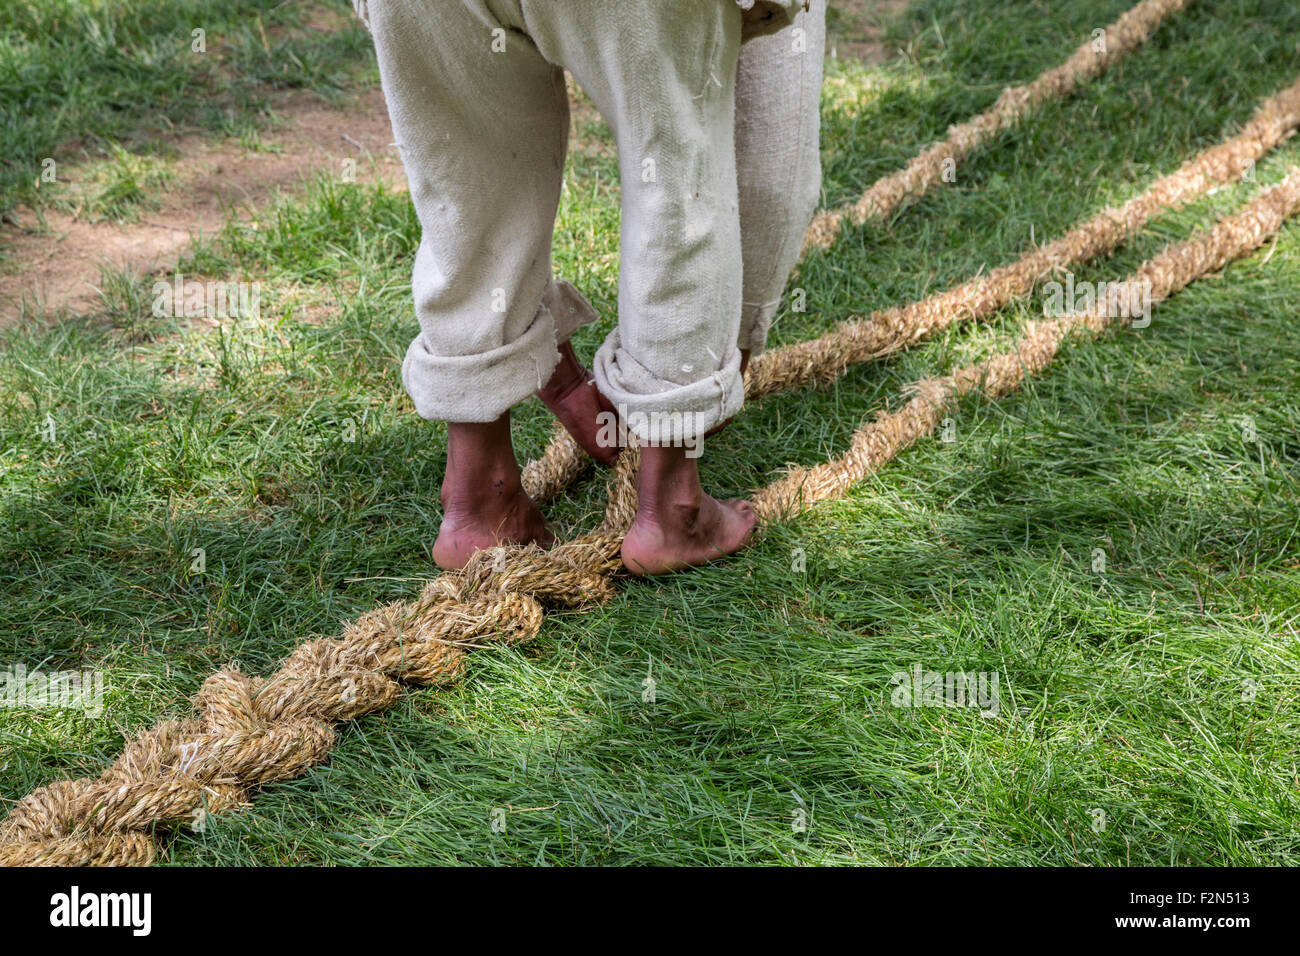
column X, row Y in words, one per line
column 483, row 502
column 508, row 517
column 573, row 398
column 677, row 525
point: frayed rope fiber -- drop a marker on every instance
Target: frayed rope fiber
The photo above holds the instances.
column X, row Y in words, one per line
column 250, row 732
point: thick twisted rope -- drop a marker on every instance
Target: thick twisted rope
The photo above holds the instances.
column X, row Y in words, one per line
column 822, row 360
column 250, row 732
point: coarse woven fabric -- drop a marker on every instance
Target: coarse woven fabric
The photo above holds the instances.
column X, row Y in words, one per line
column 476, row 94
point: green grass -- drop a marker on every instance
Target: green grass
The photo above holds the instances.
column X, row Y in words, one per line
column 119, row 188
column 1162, row 692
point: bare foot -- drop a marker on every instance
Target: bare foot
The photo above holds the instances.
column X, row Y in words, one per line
column 483, row 502
column 573, row 398
column 677, row 525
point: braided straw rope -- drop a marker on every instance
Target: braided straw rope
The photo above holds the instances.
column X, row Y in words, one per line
column 822, row 360
column 250, row 732
column 886, row 195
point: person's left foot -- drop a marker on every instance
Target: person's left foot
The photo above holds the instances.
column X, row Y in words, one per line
column 573, row 398
column 677, row 525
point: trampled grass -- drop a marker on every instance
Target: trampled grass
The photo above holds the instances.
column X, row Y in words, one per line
column 1118, row 541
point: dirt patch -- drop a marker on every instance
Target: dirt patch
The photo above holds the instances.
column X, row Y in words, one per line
column 857, row 29
column 57, row 268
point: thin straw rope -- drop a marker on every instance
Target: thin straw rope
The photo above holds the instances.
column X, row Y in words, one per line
column 252, row 731
column 881, row 439
column 924, row 171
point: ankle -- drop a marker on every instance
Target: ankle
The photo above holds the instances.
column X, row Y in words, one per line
column 568, row 375
column 481, row 465
column 482, row 491
column 668, row 486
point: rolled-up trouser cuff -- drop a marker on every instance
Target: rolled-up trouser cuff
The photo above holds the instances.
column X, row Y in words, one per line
column 481, row 387
column 755, row 323
column 663, row 412
column 568, row 307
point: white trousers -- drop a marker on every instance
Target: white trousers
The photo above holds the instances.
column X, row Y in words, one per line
column 717, row 137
